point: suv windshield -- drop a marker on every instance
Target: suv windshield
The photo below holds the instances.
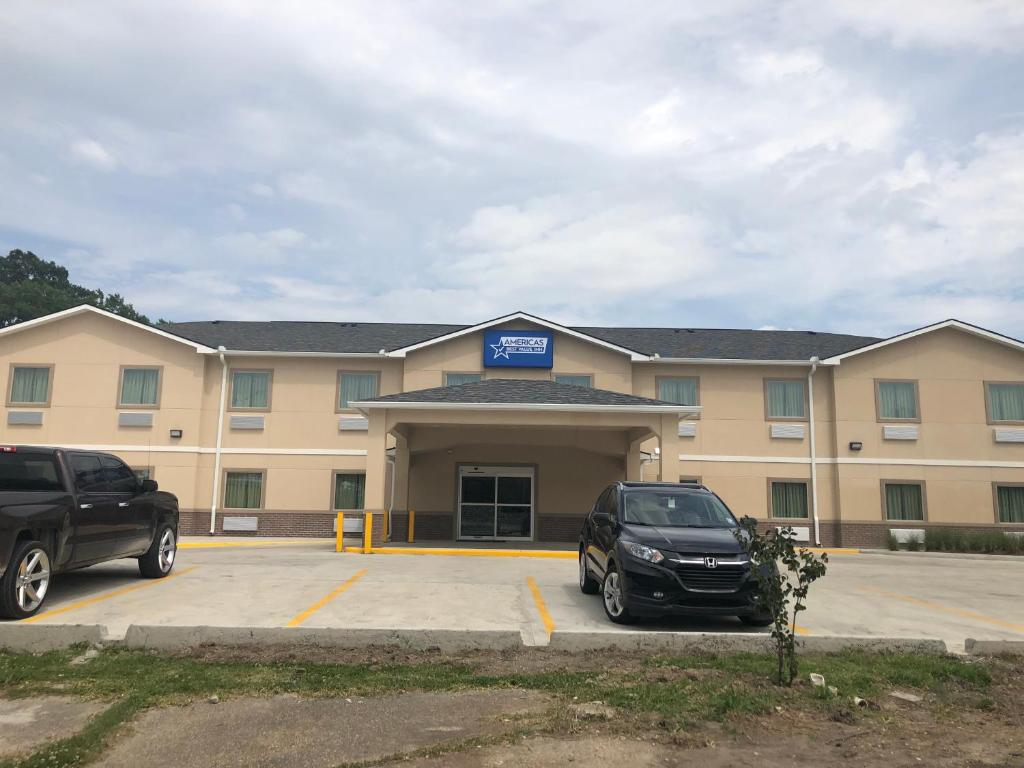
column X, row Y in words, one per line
column 675, row 508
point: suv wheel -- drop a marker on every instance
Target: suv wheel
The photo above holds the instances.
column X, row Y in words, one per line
column 26, row 582
column 756, row 619
column 159, row 560
column 588, row 584
column 613, row 596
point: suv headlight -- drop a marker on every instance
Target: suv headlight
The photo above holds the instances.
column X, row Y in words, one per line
column 643, row 552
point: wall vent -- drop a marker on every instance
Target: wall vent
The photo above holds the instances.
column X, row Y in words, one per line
column 353, row 424
column 800, row 532
column 787, row 431
column 1005, row 434
column 247, row 422
column 903, row 535
column 133, row 419
column 687, row 429
column 900, row 432
column 25, row 418
column 246, row 524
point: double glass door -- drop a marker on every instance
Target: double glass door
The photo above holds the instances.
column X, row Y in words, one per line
column 495, row 502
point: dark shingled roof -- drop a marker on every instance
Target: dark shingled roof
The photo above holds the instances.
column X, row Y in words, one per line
column 707, row 343
column 518, row 391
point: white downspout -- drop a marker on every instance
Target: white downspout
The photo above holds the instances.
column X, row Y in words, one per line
column 814, row 454
column 220, row 438
column 391, row 502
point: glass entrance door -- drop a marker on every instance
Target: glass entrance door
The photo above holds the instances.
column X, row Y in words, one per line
column 495, row 502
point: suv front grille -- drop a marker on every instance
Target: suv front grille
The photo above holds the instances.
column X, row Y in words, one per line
column 721, row 579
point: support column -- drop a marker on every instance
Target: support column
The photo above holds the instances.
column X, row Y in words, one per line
column 668, row 440
column 376, row 499
column 634, row 461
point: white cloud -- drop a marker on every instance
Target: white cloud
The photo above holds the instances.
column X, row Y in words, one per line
column 93, row 153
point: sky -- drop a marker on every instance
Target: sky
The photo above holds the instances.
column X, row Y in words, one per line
column 842, row 165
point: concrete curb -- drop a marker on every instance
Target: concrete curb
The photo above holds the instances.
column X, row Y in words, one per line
column 179, row 638
column 726, row 642
column 993, row 647
column 37, row 638
column 949, row 555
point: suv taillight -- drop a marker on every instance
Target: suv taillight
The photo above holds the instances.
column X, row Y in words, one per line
column 8, row 449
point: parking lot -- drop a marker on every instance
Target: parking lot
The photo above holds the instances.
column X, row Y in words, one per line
column 305, row 583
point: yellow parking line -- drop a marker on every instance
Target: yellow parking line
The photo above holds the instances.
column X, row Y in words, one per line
column 105, row 596
column 542, row 609
column 801, row 630
column 325, row 600
column 944, row 608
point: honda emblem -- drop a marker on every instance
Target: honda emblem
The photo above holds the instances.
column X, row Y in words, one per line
column 710, row 562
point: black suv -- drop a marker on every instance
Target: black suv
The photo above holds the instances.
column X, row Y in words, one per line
column 658, row 549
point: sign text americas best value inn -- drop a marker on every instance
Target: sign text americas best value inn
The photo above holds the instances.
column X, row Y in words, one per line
column 518, row 349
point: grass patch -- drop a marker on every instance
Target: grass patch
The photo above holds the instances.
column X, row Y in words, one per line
column 720, row 688
column 985, row 542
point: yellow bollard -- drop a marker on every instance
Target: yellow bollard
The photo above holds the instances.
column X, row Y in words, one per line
column 368, row 533
column 339, row 537
column 412, row 525
column 387, row 525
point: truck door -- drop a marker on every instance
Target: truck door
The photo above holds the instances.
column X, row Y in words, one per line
column 96, row 514
column 134, row 523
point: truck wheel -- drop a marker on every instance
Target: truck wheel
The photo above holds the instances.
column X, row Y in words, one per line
column 588, row 584
column 159, row 560
column 613, row 596
column 26, row 582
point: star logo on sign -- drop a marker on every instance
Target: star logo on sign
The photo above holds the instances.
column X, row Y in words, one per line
column 500, row 350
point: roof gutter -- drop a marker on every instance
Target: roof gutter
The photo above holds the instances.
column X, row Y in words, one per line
column 681, row 410
column 266, row 353
column 655, row 358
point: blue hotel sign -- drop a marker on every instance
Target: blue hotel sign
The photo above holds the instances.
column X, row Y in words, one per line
column 518, row 349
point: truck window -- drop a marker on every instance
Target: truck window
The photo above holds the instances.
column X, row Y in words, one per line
column 119, row 478
column 29, row 472
column 88, row 473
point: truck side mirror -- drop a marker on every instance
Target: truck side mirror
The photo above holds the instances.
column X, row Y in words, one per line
column 148, row 486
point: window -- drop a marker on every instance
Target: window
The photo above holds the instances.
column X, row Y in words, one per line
column 454, row 379
column 250, row 390
column 349, row 491
column 353, row 387
column 1005, row 401
column 30, row 385
column 140, row 388
column 21, row 471
column 784, row 399
column 143, row 473
column 88, row 473
column 903, row 501
column 1010, row 503
column 243, row 490
column 896, row 401
column 575, row 379
column 681, row 391
column 787, row 499
column 118, row 477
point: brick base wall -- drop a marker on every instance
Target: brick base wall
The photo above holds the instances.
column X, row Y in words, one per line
column 429, row 526
column 559, row 527
column 875, row 535
column 196, row 522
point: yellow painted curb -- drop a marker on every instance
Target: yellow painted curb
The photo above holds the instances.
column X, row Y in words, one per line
column 548, row 553
column 246, row 544
column 833, row 550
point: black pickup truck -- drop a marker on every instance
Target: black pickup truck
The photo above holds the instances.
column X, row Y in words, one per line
column 65, row 509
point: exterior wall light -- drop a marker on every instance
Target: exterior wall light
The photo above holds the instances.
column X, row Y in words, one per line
column 856, row 445
column 176, row 434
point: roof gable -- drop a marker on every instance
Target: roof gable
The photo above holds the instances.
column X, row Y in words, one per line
column 958, row 325
column 89, row 309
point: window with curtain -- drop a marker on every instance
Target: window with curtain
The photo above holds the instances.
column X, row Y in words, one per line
column 897, row 400
column 1010, row 503
column 575, row 379
column 453, row 379
column 30, row 385
column 1006, row 402
column 785, row 399
column 140, row 386
column 243, row 490
column 250, row 389
column 681, row 391
column 789, row 500
column 349, row 491
column 353, row 387
column 143, row 473
column 904, row 501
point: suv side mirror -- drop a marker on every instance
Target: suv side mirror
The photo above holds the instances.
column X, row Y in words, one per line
column 148, row 486
column 602, row 519
column 748, row 520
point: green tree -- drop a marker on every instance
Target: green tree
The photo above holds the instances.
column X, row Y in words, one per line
column 32, row 287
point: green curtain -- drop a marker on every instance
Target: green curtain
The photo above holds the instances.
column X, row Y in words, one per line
column 250, row 389
column 349, row 491
column 356, row 387
column 789, row 500
column 243, row 490
column 903, row 502
column 30, row 385
column 576, row 380
column 897, row 400
column 786, row 399
column 678, row 391
column 139, row 386
column 1011, row 503
column 454, row 379
column 1006, row 402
